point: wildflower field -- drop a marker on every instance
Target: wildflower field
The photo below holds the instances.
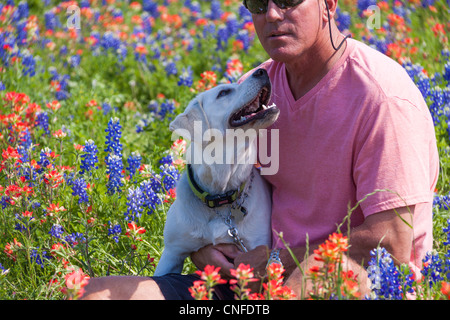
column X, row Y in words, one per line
column 88, row 167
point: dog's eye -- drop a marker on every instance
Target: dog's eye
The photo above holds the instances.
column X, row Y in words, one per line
column 223, row 93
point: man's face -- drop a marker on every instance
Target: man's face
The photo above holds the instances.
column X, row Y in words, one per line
column 286, row 34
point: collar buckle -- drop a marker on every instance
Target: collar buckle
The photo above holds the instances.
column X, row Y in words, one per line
column 217, row 200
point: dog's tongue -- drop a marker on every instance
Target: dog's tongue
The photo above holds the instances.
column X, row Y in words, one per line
column 250, row 115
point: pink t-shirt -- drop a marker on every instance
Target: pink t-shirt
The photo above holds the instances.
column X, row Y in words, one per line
column 364, row 126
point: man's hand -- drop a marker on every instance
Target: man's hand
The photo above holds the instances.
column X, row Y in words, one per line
column 220, row 255
column 256, row 258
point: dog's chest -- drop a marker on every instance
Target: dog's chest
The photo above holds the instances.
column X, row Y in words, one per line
column 214, row 228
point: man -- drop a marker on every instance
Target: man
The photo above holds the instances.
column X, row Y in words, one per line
column 351, row 123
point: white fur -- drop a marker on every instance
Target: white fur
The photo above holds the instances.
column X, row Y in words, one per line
column 190, row 224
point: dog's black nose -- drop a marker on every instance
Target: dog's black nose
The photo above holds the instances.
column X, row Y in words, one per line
column 259, row 73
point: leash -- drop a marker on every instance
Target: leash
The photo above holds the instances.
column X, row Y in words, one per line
column 232, row 230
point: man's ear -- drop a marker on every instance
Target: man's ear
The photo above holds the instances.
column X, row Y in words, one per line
column 332, row 6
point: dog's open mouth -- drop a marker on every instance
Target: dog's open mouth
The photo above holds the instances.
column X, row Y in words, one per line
column 256, row 109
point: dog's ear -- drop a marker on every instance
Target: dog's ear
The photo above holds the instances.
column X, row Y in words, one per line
column 183, row 124
column 180, row 122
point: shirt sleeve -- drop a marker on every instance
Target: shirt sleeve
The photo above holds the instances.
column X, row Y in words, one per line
column 394, row 156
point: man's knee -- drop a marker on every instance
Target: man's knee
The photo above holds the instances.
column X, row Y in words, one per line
column 122, row 288
column 298, row 283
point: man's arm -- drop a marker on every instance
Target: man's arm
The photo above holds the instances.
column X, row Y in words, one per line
column 389, row 229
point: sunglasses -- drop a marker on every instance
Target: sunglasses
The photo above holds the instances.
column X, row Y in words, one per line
column 260, row 6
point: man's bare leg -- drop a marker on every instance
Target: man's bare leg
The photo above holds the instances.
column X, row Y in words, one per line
column 122, row 288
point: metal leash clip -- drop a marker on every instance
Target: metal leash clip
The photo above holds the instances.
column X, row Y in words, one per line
column 233, row 232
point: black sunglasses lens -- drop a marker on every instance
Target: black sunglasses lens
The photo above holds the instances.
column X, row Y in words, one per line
column 256, row 6
column 283, row 4
column 260, row 6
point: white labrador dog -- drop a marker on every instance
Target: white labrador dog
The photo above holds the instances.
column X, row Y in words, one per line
column 225, row 200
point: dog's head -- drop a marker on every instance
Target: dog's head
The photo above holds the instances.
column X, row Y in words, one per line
column 231, row 106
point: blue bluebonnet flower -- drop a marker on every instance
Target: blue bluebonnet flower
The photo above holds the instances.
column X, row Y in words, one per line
column 114, row 131
column 216, row 11
column 134, row 163
column 171, row 68
column 110, row 41
column 84, row 4
column 29, row 64
column 79, row 188
column 170, row 176
column 106, row 107
column 25, row 145
column 114, row 170
column 244, row 14
column 446, row 230
column 114, row 230
column 167, row 107
column 117, row 13
column 146, row 23
column 387, row 281
column 343, row 19
column 427, row 3
column 446, row 73
column 232, row 25
column 151, row 7
column 43, row 161
column 22, row 10
column 186, row 78
column 166, row 160
column 74, row 238
column 424, row 84
column 25, row 139
column 114, row 159
column 3, row 270
column 156, row 183
column 21, row 225
column 89, row 158
column 222, row 38
column 446, row 260
column 42, row 121
column 68, row 178
column 39, row 258
column 75, row 60
column 21, row 34
column 437, row 102
column 194, row 6
column 51, row 20
column 2, row 86
column 364, row 4
column 151, row 199
column 441, row 201
column 5, row 201
column 432, row 268
column 144, row 120
column 135, row 203
column 63, row 80
column 56, row 231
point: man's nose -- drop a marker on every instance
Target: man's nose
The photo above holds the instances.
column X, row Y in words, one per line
column 274, row 12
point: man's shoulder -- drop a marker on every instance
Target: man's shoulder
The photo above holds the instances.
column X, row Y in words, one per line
column 381, row 73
